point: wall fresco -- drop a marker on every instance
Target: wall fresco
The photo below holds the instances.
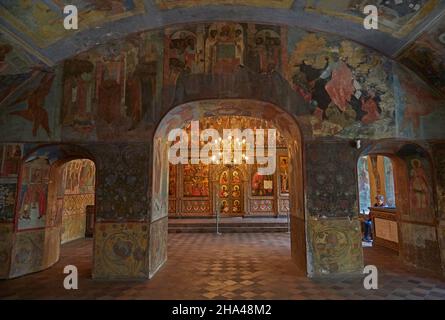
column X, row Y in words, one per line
column 42, row 21
column 348, row 86
column 74, row 216
column 420, row 246
column 113, row 91
column 439, row 164
column 170, row 4
column 122, row 181
column 11, row 155
column 331, row 179
column 75, row 192
column 120, row 250
column 27, row 255
column 426, row 56
column 6, row 243
column 420, row 184
column 32, row 201
column 419, row 110
column 30, row 106
column 334, row 246
column 195, row 180
column 13, row 60
column 118, row 92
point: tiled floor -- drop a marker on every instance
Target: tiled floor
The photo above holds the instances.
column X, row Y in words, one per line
column 230, row 266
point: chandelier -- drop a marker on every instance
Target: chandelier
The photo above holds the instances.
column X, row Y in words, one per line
column 232, row 151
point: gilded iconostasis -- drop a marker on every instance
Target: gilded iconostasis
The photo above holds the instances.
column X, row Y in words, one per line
column 202, row 190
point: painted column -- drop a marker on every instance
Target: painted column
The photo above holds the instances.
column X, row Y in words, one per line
column 331, row 201
column 122, row 205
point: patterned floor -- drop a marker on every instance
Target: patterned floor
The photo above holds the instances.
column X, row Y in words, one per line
column 230, row 266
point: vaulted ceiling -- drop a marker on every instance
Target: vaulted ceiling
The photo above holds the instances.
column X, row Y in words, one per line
column 31, row 31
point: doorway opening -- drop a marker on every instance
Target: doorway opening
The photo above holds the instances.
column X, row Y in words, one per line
column 395, row 183
column 234, row 191
column 55, row 207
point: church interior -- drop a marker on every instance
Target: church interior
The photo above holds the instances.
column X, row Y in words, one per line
column 356, row 117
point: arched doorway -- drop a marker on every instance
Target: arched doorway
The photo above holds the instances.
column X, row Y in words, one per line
column 55, row 205
column 194, row 111
column 400, row 189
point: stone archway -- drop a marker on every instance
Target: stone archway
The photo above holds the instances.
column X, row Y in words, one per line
column 416, row 214
column 37, row 222
column 175, row 118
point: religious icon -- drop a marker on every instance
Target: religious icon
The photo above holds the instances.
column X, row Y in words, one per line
column 10, row 160
column 284, row 178
column 419, row 189
column 224, row 206
column 172, row 181
column 261, row 185
column 196, row 180
column 236, row 206
column 224, row 178
column 236, row 191
column 235, row 177
column 224, row 193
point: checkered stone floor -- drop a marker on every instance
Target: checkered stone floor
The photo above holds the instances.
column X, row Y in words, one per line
column 229, row 266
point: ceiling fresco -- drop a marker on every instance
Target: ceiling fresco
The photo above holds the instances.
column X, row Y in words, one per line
column 397, row 17
column 169, row 4
column 410, row 31
column 13, row 59
column 42, row 21
column 426, row 56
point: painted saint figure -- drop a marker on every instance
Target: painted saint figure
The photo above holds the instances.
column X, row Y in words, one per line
column 419, row 189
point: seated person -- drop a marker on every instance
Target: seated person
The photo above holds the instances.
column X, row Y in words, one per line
column 380, row 201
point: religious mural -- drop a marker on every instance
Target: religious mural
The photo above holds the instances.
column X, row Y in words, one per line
column 32, row 200
column 395, row 17
column 336, row 246
column 123, row 250
column 420, row 192
column 113, row 91
column 28, row 253
column 419, row 112
column 170, row 4
column 284, row 175
column 77, row 180
column 13, row 60
column 42, row 20
column 78, row 177
column 30, row 105
column 348, row 86
column 11, row 155
column 331, row 179
column 426, row 56
column 172, row 180
column 194, row 53
column 261, row 185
